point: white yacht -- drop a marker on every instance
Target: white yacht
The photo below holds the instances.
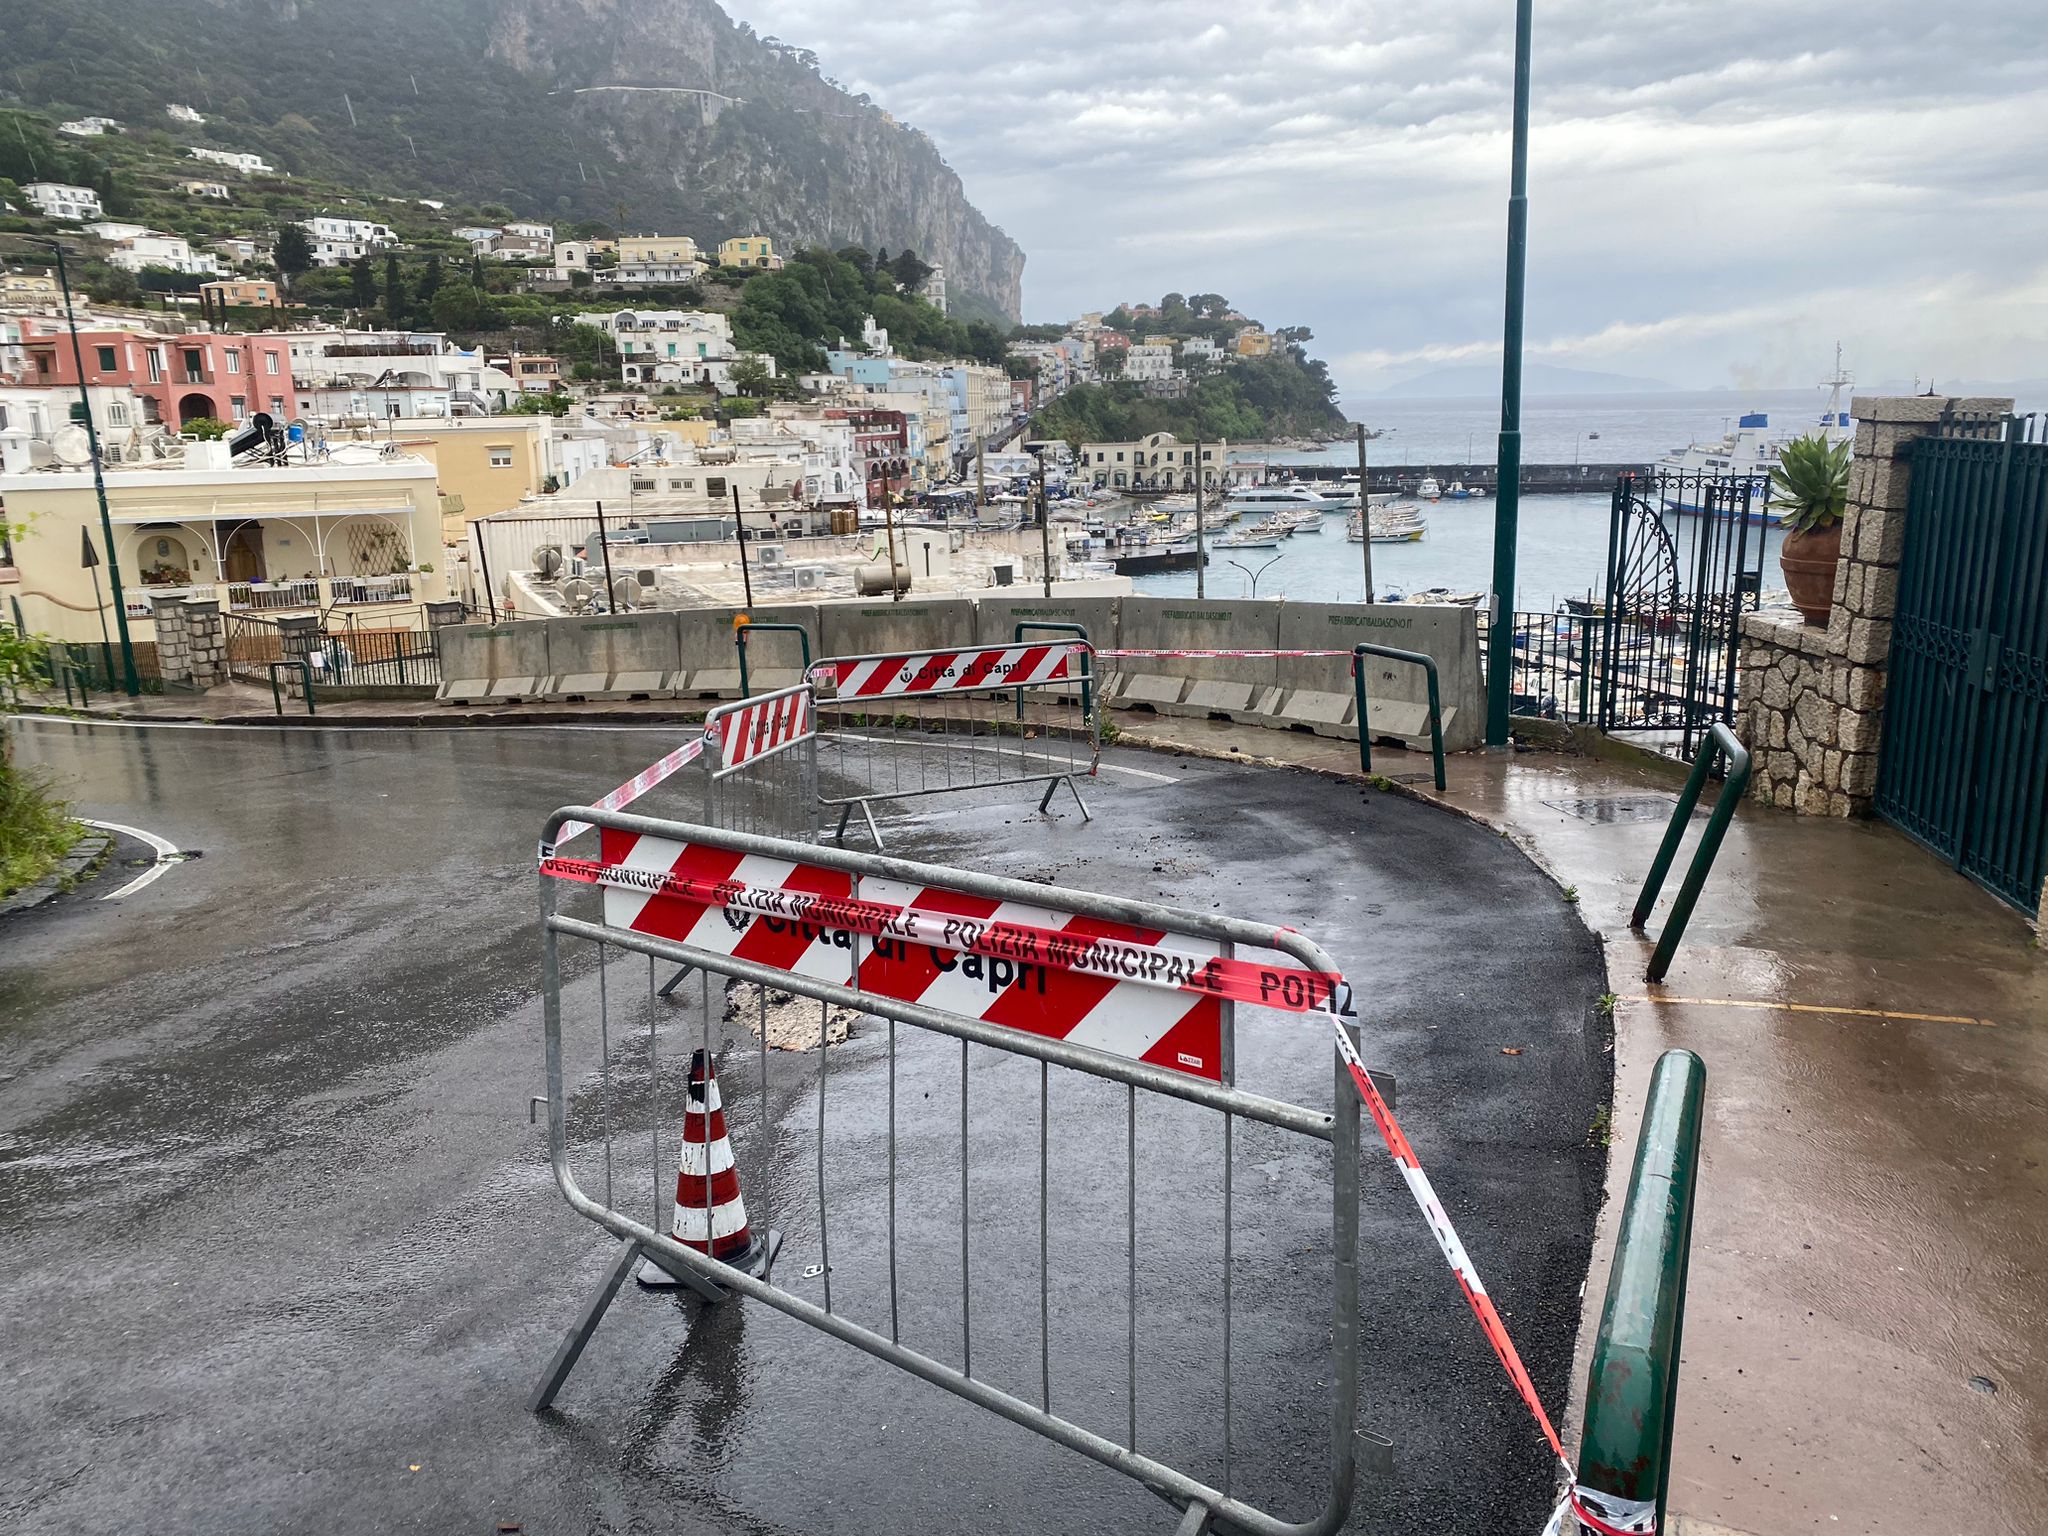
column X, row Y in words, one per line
column 1429, row 490
column 1292, row 496
column 1749, row 451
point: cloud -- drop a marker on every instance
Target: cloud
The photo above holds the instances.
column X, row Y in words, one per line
column 1717, row 191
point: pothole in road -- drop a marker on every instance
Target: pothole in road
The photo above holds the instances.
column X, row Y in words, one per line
column 791, row 1022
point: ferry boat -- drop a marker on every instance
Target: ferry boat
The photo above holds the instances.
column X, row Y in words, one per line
column 1750, row 452
column 1291, row 496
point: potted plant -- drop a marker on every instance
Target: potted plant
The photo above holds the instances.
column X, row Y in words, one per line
column 1809, row 490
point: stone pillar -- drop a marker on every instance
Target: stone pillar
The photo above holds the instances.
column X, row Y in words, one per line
column 208, row 639
column 1811, row 709
column 298, row 637
column 173, row 642
column 440, row 614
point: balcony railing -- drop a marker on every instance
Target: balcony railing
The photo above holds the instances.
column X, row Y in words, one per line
column 371, row 589
column 264, row 596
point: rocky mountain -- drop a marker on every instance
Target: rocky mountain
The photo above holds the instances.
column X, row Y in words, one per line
column 558, row 109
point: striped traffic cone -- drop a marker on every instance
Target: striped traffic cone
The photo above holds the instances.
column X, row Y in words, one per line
column 711, row 1216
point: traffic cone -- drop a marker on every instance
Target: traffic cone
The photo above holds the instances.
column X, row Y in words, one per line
column 711, row 1216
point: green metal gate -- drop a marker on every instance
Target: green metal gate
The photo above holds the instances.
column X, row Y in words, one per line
column 1965, row 762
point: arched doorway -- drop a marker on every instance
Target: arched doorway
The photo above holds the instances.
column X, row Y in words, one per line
column 193, row 408
column 164, row 558
column 241, row 555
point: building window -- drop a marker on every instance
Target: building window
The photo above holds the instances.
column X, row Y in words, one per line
column 234, row 361
column 501, row 458
column 239, row 405
column 195, row 362
column 107, row 363
column 714, row 486
column 155, row 359
column 270, row 362
column 277, row 405
column 117, row 414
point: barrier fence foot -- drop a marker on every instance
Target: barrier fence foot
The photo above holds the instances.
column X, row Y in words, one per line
column 845, row 815
column 585, row 1325
column 873, row 831
column 1195, row 1522
column 1044, row 800
column 756, row 1262
column 673, row 982
column 1086, row 814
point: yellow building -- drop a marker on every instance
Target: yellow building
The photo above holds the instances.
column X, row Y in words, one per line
column 748, row 251
column 652, row 250
column 1253, row 341
column 482, row 464
column 28, row 285
column 255, row 292
column 272, row 539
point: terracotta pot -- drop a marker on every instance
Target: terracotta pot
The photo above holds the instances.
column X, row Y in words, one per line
column 1809, row 560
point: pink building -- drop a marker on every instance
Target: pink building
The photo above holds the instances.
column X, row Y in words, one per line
column 178, row 379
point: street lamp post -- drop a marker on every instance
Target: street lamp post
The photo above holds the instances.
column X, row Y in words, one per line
column 131, row 683
column 1255, row 575
column 1508, row 498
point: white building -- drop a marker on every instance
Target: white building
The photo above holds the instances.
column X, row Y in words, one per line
column 60, row 200
column 545, row 233
column 337, row 241
column 934, row 288
column 178, row 112
column 213, row 189
column 478, row 235
column 154, row 248
column 88, row 127
column 1199, row 349
column 674, row 346
column 361, row 375
column 248, row 165
column 1152, row 360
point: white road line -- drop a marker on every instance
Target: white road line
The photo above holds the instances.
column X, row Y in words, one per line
column 166, row 852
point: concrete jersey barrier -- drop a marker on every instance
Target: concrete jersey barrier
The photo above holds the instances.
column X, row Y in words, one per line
column 614, row 656
column 1317, row 692
column 1197, row 685
column 483, row 663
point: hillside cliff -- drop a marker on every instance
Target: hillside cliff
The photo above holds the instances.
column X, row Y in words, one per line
column 559, row 109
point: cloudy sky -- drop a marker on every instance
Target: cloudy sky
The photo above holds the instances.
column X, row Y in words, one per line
column 1720, row 189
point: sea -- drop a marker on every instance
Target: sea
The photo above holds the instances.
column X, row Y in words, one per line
column 1562, row 547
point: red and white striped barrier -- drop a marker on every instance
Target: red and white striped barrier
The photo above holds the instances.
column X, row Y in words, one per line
column 760, row 727
column 711, row 1215
column 915, row 673
column 1132, row 992
column 1256, row 655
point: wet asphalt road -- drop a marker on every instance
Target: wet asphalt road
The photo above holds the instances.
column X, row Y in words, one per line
column 280, row 1251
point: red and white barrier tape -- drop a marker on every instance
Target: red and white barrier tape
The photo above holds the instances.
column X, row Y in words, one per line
column 632, row 789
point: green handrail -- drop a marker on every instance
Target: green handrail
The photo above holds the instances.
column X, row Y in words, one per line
column 1087, row 662
column 306, row 679
column 739, row 638
column 1720, row 742
column 1632, row 1389
column 1436, row 722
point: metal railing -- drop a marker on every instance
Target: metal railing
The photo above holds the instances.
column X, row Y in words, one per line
column 1553, row 676
column 1624, row 1471
column 1720, row 743
column 839, row 969
column 376, row 658
column 270, row 595
column 741, row 632
column 370, row 589
column 277, row 694
column 1436, row 723
column 1079, row 632
column 913, row 723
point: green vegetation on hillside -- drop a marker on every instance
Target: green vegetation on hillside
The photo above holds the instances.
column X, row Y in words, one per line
column 822, row 296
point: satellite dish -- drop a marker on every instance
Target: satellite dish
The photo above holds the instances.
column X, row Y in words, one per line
column 547, row 560
column 72, row 445
column 624, row 589
column 577, row 594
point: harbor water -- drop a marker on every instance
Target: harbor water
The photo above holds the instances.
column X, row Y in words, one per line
column 1562, row 549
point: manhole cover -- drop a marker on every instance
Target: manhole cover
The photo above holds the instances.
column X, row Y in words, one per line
column 1606, row 809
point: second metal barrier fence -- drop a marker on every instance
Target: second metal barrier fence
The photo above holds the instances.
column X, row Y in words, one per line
column 1720, row 743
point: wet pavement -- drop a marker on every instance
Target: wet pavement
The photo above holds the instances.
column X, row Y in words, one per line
column 282, row 1252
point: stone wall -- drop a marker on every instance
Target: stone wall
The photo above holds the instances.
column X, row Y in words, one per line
column 1811, row 709
column 191, row 643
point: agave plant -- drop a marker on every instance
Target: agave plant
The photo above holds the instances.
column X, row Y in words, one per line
column 1810, row 486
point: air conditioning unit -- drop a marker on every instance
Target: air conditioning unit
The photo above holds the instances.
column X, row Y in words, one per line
column 808, row 577
column 1004, row 575
column 645, row 576
column 771, row 556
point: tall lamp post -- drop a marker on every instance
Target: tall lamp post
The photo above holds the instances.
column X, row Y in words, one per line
column 1508, row 498
column 131, row 684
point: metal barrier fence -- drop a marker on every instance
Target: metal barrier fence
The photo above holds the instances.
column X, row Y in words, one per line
column 743, row 632
column 1436, row 715
column 913, row 723
column 1111, row 992
column 1720, row 743
column 1624, row 1470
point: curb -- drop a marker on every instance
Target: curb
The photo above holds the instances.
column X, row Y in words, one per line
column 84, row 859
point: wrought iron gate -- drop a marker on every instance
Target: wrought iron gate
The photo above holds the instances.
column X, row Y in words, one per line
column 1684, row 563
column 1965, row 762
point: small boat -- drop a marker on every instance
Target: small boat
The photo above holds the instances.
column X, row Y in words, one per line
column 1248, row 538
column 1440, row 597
column 1429, row 490
column 1456, row 491
column 1305, row 520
